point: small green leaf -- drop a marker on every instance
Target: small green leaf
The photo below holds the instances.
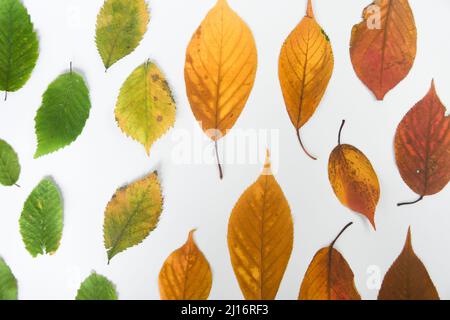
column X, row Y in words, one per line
column 63, row 113
column 19, row 46
column 97, row 287
column 145, row 109
column 121, row 25
column 8, row 283
column 9, row 164
column 41, row 222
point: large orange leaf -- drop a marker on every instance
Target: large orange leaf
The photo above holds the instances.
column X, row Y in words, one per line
column 383, row 46
column 260, row 237
column 353, row 179
column 329, row 277
column 305, row 66
column 407, row 278
column 422, row 146
column 186, row 274
column 220, row 70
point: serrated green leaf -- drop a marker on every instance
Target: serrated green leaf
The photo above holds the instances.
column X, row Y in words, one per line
column 9, row 164
column 121, row 25
column 145, row 109
column 8, row 283
column 63, row 113
column 41, row 222
column 131, row 214
column 19, row 46
column 97, row 287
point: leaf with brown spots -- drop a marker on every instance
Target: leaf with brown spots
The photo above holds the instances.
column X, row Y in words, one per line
column 329, row 277
column 383, row 46
column 186, row 274
column 353, row 179
column 422, row 146
column 407, row 278
column 260, row 237
column 220, row 70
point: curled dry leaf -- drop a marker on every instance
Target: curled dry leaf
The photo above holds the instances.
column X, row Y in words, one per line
column 220, row 71
column 145, row 109
column 422, row 146
column 353, row 179
column 131, row 214
column 383, row 46
column 407, row 278
column 260, row 237
column 186, row 274
column 329, row 277
column 305, row 67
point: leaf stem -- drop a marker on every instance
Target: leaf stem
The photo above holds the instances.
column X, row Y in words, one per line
column 339, row 234
column 70, row 67
column 408, row 203
column 17, row 185
column 340, row 132
column 218, row 160
column 303, row 147
column 6, row 95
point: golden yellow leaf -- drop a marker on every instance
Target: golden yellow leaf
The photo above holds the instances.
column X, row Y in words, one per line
column 220, row 70
column 260, row 237
column 305, row 67
column 186, row 274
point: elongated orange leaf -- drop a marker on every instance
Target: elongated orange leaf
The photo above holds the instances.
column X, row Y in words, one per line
column 353, row 179
column 186, row 274
column 260, row 237
column 220, row 70
column 407, row 278
column 422, row 146
column 383, row 46
column 305, row 66
column 329, row 277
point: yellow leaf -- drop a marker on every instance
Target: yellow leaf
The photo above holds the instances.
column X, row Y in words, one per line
column 145, row 108
column 186, row 274
column 260, row 237
column 305, row 67
column 220, row 70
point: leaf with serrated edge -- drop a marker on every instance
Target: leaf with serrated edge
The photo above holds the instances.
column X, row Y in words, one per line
column 145, row 109
column 63, row 114
column 305, row 67
column 121, row 25
column 186, row 274
column 97, row 287
column 260, row 237
column 19, row 45
column 41, row 221
column 383, row 46
column 8, row 283
column 407, row 278
column 131, row 214
column 9, row 164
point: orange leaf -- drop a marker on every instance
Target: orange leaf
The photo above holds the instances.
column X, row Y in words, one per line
column 260, row 237
column 186, row 274
column 305, row 66
column 383, row 46
column 422, row 146
column 407, row 278
column 329, row 277
column 353, row 179
column 220, row 70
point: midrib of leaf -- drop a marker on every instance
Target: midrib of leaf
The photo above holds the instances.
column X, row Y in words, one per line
column 427, row 149
column 263, row 216
column 4, row 165
column 300, row 105
column 385, row 35
column 186, row 271
column 9, row 49
column 146, row 94
column 219, row 72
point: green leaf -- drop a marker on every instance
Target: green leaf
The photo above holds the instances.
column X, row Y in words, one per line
column 121, row 25
column 97, row 287
column 19, row 46
column 131, row 214
column 8, row 283
column 145, row 109
column 41, row 222
column 63, row 113
column 9, row 164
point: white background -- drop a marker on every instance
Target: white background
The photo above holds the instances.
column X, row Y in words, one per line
column 102, row 158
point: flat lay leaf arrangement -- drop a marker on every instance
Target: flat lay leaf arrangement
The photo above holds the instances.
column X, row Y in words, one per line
column 219, row 72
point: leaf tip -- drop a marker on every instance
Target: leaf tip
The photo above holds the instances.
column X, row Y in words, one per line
column 309, row 10
column 267, row 165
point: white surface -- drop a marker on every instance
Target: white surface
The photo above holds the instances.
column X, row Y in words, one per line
column 102, row 159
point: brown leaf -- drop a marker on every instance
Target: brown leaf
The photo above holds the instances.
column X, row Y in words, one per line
column 407, row 278
column 383, row 46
